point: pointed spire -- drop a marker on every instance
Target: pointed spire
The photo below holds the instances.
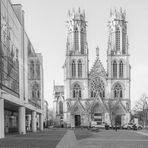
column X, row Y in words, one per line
column 97, row 51
column 53, row 84
column 121, row 10
column 79, row 10
column 84, row 14
column 68, row 12
column 111, row 12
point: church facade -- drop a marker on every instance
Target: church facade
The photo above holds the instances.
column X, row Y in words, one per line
column 94, row 95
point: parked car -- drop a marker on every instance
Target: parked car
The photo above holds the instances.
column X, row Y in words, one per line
column 139, row 126
column 127, row 126
column 114, row 126
column 132, row 126
column 97, row 124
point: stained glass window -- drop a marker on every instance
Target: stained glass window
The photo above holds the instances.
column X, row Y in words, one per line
column 117, row 39
column 76, row 39
column 77, row 91
column 73, row 69
column 60, row 107
column 115, row 69
column 118, row 92
column 97, row 87
column 79, row 68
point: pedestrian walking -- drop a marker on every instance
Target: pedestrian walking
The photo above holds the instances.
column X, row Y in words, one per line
column 116, row 127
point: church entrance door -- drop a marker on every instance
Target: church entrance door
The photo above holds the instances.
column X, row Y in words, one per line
column 77, row 120
column 118, row 120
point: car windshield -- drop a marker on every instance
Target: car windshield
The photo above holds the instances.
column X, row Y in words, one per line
column 130, row 123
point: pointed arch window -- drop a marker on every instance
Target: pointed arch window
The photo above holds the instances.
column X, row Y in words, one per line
column 92, row 94
column 114, row 69
column 117, row 39
column 123, row 41
column 32, row 69
column 82, row 41
column 77, row 91
column 118, row 91
column 73, row 69
column 60, row 107
column 79, row 68
column 121, row 69
column 76, row 39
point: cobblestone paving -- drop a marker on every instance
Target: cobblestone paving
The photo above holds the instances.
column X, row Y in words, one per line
column 46, row 139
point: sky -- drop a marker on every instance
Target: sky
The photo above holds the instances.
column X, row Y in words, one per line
column 45, row 24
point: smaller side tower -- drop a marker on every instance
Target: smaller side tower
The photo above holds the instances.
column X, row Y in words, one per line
column 118, row 66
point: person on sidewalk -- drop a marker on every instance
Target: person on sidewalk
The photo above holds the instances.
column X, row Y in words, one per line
column 116, row 127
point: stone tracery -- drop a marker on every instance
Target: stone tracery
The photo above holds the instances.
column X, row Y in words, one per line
column 97, row 87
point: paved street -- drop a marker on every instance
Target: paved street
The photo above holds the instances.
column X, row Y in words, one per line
column 46, row 139
column 113, row 139
column 59, row 138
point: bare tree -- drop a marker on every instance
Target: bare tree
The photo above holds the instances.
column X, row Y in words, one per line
column 141, row 108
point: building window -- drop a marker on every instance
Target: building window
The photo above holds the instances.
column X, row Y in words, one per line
column 36, row 91
column 123, row 42
column 60, row 107
column 115, row 69
column 77, row 91
column 97, row 87
column 121, row 69
column 79, row 68
column 82, row 41
column 118, row 91
column 31, row 69
column 117, row 39
column 92, row 94
column 76, row 39
column 73, row 69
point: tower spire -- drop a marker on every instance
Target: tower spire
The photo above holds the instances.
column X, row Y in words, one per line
column 97, row 51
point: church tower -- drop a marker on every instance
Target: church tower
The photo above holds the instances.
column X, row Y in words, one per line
column 75, row 68
column 118, row 67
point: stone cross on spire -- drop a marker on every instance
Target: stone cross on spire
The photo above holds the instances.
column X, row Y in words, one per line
column 97, row 51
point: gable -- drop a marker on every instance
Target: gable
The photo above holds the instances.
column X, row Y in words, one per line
column 77, row 108
column 98, row 105
column 119, row 109
column 98, row 69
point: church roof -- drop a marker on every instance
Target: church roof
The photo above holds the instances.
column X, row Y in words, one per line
column 98, row 68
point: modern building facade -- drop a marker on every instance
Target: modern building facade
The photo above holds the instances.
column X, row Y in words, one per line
column 95, row 95
column 21, row 74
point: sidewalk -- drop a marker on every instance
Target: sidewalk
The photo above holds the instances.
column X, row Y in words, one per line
column 73, row 137
column 68, row 141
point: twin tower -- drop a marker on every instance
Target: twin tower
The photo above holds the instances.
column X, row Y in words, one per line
column 97, row 95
